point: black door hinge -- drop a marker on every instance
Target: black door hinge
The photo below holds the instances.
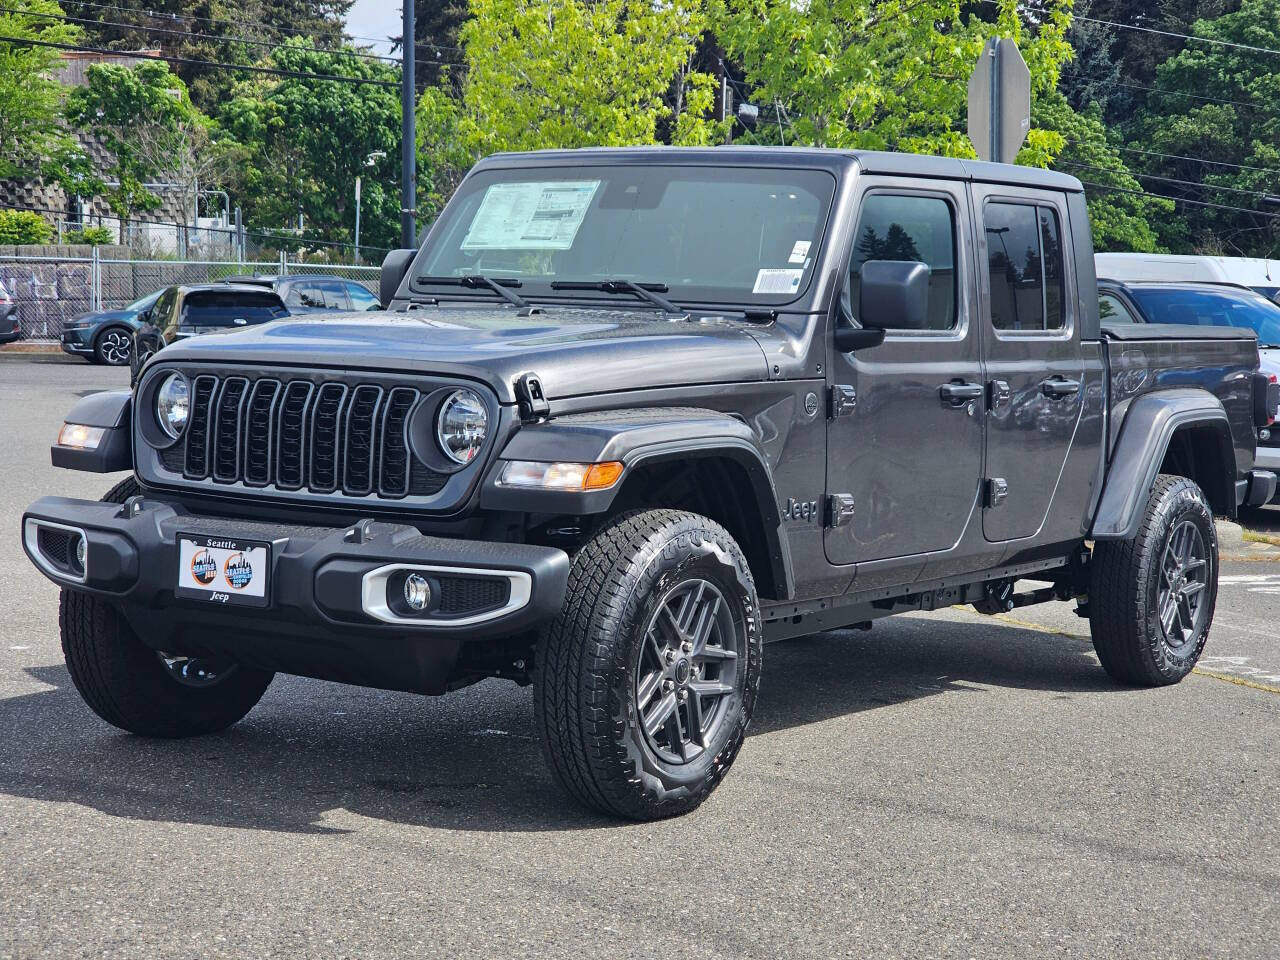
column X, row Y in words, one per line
column 999, row 394
column 530, row 398
column 844, row 400
column 839, row 509
column 997, row 491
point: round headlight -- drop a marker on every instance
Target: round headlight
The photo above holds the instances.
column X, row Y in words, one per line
column 462, row 425
column 173, row 403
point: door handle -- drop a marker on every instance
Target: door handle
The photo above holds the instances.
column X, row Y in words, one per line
column 958, row 392
column 1055, row 388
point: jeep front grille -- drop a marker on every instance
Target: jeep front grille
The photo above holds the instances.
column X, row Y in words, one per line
column 321, row 436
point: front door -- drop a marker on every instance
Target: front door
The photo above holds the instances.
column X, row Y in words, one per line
column 909, row 450
column 1034, row 366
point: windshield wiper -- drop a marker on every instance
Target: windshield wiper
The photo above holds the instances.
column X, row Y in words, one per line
column 645, row 291
column 478, row 281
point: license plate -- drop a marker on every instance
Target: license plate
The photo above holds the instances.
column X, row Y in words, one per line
column 225, row 571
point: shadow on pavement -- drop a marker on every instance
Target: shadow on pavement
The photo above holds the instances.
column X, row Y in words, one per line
column 469, row 760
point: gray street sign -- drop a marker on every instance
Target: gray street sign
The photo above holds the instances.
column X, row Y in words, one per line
column 999, row 101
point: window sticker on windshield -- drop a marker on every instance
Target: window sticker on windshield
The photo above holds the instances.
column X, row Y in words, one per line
column 800, row 252
column 777, row 281
column 530, row 216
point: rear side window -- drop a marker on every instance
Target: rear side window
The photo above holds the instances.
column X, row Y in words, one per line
column 305, row 296
column 231, row 309
column 1109, row 308
column 912, row 228
column 1024, row 266
column 362, row 299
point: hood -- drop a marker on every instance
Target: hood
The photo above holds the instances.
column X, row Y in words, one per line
column 102, row 316
column 573, row 351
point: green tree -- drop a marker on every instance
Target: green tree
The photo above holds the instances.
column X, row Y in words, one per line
column 221, row 31
column 32, row 135
column 1243, row 130
column 882, row 74
column 307, row 140
column 152, row 131
column 572, row 73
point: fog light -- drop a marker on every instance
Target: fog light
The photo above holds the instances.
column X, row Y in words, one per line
column 417, row 592
column 1264, row 434
column 82, row 552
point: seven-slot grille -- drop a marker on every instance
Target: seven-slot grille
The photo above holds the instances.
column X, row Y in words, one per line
column 291, row 434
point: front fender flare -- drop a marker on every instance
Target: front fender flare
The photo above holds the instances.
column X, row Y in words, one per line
column 1148, row 428
column 640, row 437
column 112, row 410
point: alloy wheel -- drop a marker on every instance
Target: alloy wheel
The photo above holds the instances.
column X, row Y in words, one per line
column 1184, row 577
column 114, row 347
column 687, row 675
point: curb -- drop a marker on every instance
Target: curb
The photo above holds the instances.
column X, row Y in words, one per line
column 1233, row 546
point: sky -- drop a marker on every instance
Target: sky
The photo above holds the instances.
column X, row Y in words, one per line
column 374, row 18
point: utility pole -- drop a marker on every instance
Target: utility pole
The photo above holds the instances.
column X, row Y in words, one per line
column 357, row 257
column 408, row 136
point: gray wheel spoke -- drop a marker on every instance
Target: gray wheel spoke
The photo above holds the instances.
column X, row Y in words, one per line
column 1192, row 588
column 709, row 688
column 675, row 734
column 706, row 622
column 659, row 714
column 1168, row 613
column 1194, row 566
column 697, row 720
column 648, row 687
column 716, row 653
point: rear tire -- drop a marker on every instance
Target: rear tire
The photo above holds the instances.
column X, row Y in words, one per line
column 645, row 682
column 133, row 687
column 112, row 347
column 1151, row 598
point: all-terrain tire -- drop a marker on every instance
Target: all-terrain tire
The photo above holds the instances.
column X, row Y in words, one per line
column 591, row 660
column 1126, row 580
column 128, row 685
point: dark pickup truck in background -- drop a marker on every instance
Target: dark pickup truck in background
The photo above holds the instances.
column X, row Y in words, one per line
column 630, row 414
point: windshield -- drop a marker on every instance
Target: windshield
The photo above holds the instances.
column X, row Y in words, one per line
column 139, row 305
column 1208, row 308
column 715, row 234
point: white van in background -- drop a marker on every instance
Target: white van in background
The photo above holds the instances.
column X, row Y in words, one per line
column 1262, row 275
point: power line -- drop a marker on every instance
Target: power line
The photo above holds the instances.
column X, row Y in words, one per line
column 1162, row 33
column 1257, row 194
column 271, row 71
column 1175, row 156
column 1165, row 91
column 184, row 33
column 1165, row 196
column 259, row 24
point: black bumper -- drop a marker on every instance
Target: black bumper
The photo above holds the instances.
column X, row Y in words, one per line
column 324, row 616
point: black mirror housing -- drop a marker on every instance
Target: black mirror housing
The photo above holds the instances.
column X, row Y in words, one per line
column 894, row 295
column 849, row 339
column 394, row 266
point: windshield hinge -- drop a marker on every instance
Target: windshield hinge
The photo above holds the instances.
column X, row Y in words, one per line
column 532, row 401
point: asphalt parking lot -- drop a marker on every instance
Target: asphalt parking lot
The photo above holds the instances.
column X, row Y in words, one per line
column 943, row 785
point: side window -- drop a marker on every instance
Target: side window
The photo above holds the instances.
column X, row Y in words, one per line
column 335, row 295
column 305, row 296
column 361, row 298
column 1109, row 308
column 1024, row 266
column 163, row 308
column 909, row 227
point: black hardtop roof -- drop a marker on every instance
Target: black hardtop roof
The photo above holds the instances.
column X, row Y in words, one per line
column 838, row 162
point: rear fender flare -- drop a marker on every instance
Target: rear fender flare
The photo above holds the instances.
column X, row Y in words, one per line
column 1148, row 429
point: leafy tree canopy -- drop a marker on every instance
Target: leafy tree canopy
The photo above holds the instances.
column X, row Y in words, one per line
column 33, row 140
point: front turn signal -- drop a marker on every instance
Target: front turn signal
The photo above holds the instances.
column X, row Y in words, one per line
column 531, row 474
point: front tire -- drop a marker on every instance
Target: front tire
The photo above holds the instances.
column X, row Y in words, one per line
column 1151, row 598
column 113, row 346
column 645, row 683
column 133, row 687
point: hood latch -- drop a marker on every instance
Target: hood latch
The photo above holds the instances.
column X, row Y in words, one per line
column 532, row 401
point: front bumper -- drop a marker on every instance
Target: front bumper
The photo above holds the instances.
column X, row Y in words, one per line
column 76, row 342
column 325, row 616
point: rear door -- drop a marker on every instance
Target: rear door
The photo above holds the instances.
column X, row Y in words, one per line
column 1034, row 366
column 909, row 451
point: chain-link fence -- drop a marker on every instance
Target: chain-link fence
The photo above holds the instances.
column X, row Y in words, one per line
column 50, row 290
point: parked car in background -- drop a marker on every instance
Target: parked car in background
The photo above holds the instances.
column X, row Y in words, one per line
column 106, row 336
column 1256, row 273
column 191, row 310
column 1205, row 305
column 10, row 329
column 304, row 293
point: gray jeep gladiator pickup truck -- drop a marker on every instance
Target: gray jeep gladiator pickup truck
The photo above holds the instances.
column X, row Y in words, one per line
column 633, row 413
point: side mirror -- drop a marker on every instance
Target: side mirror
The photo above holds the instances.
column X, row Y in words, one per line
column 394, row 266
column 848, row 339
column 894, row 295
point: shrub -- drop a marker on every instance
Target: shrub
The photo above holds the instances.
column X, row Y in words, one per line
column 23, row 227
column 91, row 235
